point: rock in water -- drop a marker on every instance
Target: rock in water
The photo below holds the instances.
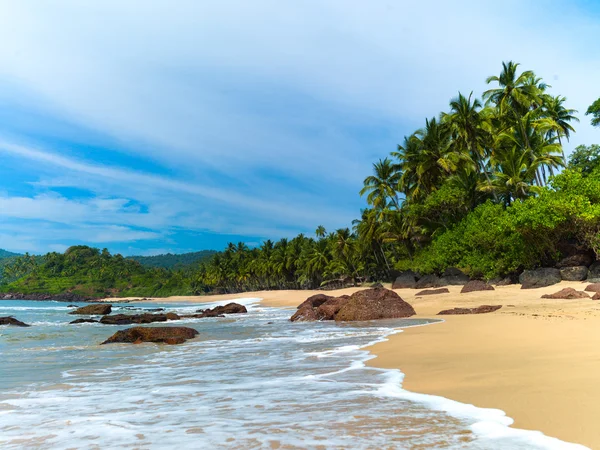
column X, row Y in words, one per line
column 476, row 285
column 167, row 335
column 406, row 280
column 12, row 321
column 483, row 309
column 433, row 292
column 532, row 279
column 83, row 321
column 314, row 301
column 230, row 308
column 305, row 314
column 331, row 307
column 99, row 309
column 575, row 273
column 372, row 304
column 567, row 294
column 128, row 319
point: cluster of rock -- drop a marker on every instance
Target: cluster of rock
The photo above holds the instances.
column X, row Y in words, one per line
column 367, row 304
column 98, row 309
column 567, row 294
column 65, row 297
column 413, row 280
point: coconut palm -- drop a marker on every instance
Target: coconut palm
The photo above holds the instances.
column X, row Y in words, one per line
column 516, row 93
column 555, row 110
column 382, row 185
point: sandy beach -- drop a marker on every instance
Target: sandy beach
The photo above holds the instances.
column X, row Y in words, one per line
column 536, row 359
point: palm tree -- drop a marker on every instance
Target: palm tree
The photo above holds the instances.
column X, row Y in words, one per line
column 555, row 110
column 320, row 232
column 382, row 185
column 515, row 93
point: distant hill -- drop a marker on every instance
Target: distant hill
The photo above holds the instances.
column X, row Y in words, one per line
column 7, row 254
column 171, row 261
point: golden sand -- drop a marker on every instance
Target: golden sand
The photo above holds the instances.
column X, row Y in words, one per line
column 536, row 359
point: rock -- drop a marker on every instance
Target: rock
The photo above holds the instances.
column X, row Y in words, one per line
column 429, row 281
column 83, row 321
column 452, row 272
column 128, row 319
column 99, row 309
column 305, row 314
column 315, row 301
column 532, row 279
column 12, row 321
column 594, row 271
column 575, row 273
column 596, row 296
column 406, row 280
column 433, row 292
column 501, row 281
column 155, row 310
column 455, row 280
column 377, row 285
column 567, row 294
column 65, row 297
column 483, row 309
column 230, row 308
column 371, row 304
column 476, row 285
column 168, row 335
column 331, row 307
column 594, row 287
column 578, row 259
column 72, row 306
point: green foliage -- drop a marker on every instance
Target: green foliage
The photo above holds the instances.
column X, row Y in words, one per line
column 174, row 261
column 585, row 158
column 594, row 111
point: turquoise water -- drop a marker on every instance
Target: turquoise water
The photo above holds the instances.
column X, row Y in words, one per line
column 248, row 381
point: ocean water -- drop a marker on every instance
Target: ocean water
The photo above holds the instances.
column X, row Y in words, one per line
column 253, row 381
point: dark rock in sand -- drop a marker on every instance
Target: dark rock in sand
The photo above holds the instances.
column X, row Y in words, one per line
column 483, row 309
column 578, row 259
column 454, row 277
column 377, row 285
column 567, row 294
column 406, row 280
column 12, row 321
column 99, row 309
column 575, row 273
column 430, row 281
column 500, row 281
column 594, row 287
column 372, row 304
column 476, row 285
column 167, row 335
column 128, row 319
column 433, row 292
column 532, row 279
column 594, row 271
column 596, row 296
column 83, row 321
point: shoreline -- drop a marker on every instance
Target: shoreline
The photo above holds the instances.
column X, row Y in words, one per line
column 535, row 359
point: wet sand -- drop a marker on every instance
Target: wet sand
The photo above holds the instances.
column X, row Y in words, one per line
column 536, row 359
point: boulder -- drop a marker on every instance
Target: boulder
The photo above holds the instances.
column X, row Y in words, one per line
column 433, row 292
column 483, row 309
column 406, row 280
column 594, row 271
column 476, row 285
column 594, row 287
column 578, row 259
column 575, row 273
column 596, row 296
column 452, row 272
column 72, row 306
column 305, row 314
column 315, row 301
column 532, row 279
column 454, row 280
column 567, row 294
column 377, row 285
column 12, row 321
column 371, row 304
column 501, row 281
column 99, row 309
column 128, row 319
column 167, row 335
column 230, row 308
column 429, row 281
column 83, row 321
column 331, row 307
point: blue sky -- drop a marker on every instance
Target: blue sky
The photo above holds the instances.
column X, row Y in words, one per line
column 149, row 127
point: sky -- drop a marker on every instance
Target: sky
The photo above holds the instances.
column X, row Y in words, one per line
column 153, row 126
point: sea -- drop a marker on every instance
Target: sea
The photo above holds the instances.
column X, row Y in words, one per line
column 248, row 381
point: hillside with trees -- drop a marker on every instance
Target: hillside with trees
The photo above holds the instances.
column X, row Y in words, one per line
column 483, row 186
column 174, row 261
